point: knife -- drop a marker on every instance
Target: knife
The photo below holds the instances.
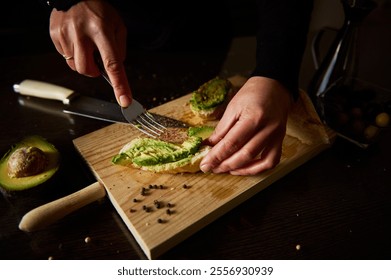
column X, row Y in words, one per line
column 77, row 104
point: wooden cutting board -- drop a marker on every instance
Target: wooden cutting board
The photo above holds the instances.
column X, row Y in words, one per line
column 188, row 202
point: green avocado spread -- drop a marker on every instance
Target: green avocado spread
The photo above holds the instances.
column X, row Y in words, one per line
column 210, row 94
column 153, row 152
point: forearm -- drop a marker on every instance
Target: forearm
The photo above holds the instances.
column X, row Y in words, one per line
column 281, row 39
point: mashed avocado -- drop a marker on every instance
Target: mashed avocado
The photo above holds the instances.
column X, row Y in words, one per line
column 158, row 155
column 211, row 94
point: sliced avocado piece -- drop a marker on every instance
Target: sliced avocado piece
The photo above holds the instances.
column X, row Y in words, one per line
column 201, row 131
column 157, row 155
column 211, row 94
column 28, row 163
column 148, row 152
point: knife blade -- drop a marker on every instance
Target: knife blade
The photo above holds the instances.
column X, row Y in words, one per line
column 77, row 104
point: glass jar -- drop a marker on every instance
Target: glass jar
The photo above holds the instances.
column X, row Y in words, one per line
column 356, row 109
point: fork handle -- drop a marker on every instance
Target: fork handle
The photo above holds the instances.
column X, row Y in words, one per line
column 102, row 70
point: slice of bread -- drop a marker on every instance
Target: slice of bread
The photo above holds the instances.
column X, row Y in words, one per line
column 210, row 100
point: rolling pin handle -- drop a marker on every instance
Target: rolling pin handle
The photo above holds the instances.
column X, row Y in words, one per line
column 51, row 212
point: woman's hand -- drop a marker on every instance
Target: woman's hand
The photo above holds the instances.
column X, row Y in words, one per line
column 93, row 26
column 248, row 138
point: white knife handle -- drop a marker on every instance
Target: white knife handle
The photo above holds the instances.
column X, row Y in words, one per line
column 44, row 90
column 51, row 212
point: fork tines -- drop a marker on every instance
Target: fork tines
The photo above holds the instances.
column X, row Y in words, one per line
column 148, row 125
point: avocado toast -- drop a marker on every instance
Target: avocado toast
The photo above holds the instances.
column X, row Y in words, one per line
column 210, row 100
column 180, row 151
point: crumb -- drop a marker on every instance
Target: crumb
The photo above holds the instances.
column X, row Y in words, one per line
column 298, row 247
column 50, row 258
column 87, row 239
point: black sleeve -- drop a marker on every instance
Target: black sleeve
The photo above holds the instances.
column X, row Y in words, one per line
column 61, row 5
column 281, row 39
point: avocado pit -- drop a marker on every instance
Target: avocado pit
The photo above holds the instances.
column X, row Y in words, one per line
column 26, row 161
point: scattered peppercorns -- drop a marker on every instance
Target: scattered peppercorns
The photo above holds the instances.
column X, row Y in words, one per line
column 157, row 204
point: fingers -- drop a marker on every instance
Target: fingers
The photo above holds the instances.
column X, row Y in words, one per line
column 248, row 139
column 261, row 152
column 232, row 142
column 78, row 33
column 261, row 147
column 269, row 159
column 113, row 57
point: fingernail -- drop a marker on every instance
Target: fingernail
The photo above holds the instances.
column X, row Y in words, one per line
column 206, row 168
column 124, row 101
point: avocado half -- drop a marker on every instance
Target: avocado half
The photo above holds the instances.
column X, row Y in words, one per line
column 10, row 182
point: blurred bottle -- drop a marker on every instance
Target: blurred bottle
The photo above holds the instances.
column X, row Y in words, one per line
column 346, row 103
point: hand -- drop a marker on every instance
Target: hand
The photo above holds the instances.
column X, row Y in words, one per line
column 248, row 138
column 87, row 27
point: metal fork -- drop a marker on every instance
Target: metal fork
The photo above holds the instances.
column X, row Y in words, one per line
column 136, row 114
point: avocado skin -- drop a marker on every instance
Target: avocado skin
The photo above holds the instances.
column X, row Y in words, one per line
column 211, row 94
column 13, row 185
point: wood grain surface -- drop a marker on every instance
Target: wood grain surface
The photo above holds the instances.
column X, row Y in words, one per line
column 188, row 202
